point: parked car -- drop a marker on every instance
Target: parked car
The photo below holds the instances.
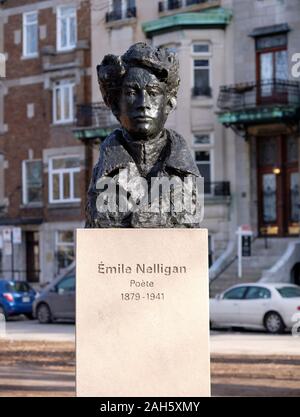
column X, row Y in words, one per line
column 57, row 300
column 16, row 297
column 257, row 306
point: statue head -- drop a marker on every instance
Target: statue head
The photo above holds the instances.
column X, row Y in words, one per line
column 140, row 87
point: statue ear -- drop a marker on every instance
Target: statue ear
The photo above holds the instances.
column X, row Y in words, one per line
column 172, row 103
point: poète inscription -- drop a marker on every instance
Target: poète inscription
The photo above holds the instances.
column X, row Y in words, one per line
column 139, row 270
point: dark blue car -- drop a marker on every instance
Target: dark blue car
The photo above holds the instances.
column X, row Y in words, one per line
column 16, row 297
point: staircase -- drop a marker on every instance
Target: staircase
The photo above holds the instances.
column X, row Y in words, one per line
column 262, row 258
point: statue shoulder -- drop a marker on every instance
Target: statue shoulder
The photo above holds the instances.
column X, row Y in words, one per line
column 113, row 139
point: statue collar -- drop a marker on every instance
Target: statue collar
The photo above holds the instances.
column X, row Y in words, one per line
column 115, row 156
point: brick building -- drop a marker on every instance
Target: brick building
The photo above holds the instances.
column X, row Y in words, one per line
column 42, row 166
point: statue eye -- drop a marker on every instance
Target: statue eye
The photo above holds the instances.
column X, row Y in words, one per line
column 130, row 93
column 153, row 93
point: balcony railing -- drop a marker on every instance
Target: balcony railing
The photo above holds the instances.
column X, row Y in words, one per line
column 217, row 189
column 95, row 115
column 166, row 5
column 256, row 94
column 202, row 91
column 119, row 14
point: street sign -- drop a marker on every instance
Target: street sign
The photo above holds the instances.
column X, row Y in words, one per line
column 7, row 235
column 246, row 246
column 7, row 249
column 17, row 235
column 244, row 234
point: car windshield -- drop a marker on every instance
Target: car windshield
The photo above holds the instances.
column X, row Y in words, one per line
column 18, row 287
column 289, row 292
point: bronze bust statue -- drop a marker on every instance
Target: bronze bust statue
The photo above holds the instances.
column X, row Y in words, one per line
column 145, row 175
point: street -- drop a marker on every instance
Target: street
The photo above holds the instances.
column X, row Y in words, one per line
column 241, row 342
column 39, row 360
column 31, row 330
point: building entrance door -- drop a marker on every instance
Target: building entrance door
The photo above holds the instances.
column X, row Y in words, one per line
column 32, row 257
column 278, row 185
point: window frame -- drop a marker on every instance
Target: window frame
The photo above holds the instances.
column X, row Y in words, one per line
column 59, row 85
column 205, row 56
column 24, row 183
column 25, row 54
column 207, row 147
column 233, row 289
column 258, row 298
column 60, row 172
column 59, row 243
column 59, row 18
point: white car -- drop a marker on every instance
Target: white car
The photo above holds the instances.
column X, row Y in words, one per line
column 273, row 307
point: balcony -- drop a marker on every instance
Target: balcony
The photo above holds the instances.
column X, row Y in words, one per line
column 94, row 121
column 259, row 102
column 191, row 5
column 176, row 15
column 120, row 14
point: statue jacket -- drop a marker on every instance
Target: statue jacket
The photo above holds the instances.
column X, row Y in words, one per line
column 124, row 194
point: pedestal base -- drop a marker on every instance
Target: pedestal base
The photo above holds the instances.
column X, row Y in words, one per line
column 142, row 322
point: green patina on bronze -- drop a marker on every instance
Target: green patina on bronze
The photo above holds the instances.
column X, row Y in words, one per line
column 91, row 133
column 258, row 115
column 218, row 17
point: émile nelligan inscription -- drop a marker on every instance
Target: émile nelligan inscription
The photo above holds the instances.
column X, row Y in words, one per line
column 141, row 268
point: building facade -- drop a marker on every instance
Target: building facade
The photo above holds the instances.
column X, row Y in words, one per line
column 42, row 167
column 263, row 107
column 200, row 33
column 238, row 109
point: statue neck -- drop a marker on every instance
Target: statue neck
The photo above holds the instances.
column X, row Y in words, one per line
column 145, row 152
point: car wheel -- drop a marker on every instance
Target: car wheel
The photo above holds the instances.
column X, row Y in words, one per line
column 44, row 314
column 2, row 312
column 273, row 323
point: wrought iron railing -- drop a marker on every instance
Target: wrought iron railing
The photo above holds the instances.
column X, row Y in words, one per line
column 166, row 5
column 95, row 115
column 119, row 14
column 267, row 92
column 217, row 188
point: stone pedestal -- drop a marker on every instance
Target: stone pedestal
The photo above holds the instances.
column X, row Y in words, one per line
column 142, row 322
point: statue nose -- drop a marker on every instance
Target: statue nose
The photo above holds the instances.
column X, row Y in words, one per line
column 144, row 100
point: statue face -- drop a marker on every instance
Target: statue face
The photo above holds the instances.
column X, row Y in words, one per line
column 143, row 108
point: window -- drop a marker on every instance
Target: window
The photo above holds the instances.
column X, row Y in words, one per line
column 66, row 28
column 203, row 157
column 64, row 179
column 65, row 248
column 201, row 139
column 63, row 102
column 121, row 9
column 201, row 69
column 235, row 294
column 32, row 174
column 30, row 34
column 201, row 48
column 289, row 292
column 255, row 293
column 66, row 285
column 272, row 61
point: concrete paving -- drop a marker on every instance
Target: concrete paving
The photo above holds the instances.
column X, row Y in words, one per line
column 32, row 330
column 253, row 343
column 221, row 342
